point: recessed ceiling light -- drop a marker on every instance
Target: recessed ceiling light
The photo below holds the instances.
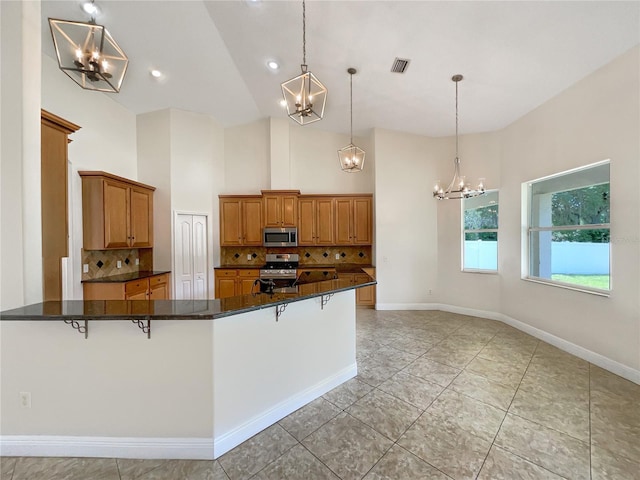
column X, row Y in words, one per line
column 90, row 7
column 156, row 73
column 273, row 65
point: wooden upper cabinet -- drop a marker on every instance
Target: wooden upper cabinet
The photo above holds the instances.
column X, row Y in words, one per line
column 240, row 220
column 315, row 221
column 116, row 212
column 362, row 221
column 280, row 208
column 353, row 223
column 141, row 207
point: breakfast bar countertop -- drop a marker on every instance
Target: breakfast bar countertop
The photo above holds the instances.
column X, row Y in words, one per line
column 174, row 309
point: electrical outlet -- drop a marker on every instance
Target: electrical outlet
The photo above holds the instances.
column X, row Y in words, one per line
column 85, row 268
column 119, row 264
column 430, row 292
column 248, row 257
column 337, row 256
column 25, row 399
column 137, row 261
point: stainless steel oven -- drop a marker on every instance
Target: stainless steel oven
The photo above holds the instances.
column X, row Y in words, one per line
column 280, row 237
column 279, row 272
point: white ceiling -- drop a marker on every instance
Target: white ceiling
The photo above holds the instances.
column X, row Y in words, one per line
column 514, row 56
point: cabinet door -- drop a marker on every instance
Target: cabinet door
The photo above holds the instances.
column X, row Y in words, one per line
column 116, row 214
column 141, row 218
column 324, row 221
column 230, row 222
column 362, row 220
column 252, row 221
column 343, row 211
column 364, row 295
column 272, row 210
column 136, row 296
column 225, row 287
column 159, row 287
column 289, row 213
column 306, row 221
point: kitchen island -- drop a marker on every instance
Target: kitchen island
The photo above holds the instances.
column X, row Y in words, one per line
column 212, row 374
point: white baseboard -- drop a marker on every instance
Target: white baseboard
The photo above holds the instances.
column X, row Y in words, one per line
column 624, row 371
column 164, row 448
column 229, row 440
column 106, row 447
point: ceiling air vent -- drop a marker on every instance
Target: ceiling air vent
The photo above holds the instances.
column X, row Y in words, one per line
column 400, row 65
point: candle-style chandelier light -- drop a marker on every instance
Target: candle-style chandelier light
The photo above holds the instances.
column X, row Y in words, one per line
column 305, row 95
column 351, row 157
column 88, row 54
column 458, row 187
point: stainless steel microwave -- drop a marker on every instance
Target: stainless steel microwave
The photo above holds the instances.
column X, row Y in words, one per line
column 280, row 237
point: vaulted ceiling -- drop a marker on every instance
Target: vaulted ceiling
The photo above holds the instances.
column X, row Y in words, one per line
column 213, row 54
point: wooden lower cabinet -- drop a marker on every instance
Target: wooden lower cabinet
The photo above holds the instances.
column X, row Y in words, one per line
column 365, row 296
column 150, row 288
column 231, row 281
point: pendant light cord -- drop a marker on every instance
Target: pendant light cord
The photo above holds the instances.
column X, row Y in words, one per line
column 456, row 120
column 351, row 104
column 304, row 33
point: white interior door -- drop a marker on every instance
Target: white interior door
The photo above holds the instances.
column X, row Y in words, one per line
column 190, row 262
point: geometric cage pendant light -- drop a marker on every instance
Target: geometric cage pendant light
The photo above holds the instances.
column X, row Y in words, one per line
column 351, row 157
column 89, row 55
column 305, row 95
column 458, row 187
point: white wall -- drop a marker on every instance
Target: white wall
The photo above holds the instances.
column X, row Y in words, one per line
column 596, row 119
column 314, row 162
column 153, row 135
column 115, row 383
column 406, row 218
column 480, row 157
column 246, row 158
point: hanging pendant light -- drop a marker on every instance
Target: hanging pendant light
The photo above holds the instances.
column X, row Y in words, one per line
column 305, row 95
column 458, row 187
column 351, row 157
column 88, row 54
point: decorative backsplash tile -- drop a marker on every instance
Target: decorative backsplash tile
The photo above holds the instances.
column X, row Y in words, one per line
column 104, row 263
column 308, row 255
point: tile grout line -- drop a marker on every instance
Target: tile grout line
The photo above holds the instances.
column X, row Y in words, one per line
column 507, row 411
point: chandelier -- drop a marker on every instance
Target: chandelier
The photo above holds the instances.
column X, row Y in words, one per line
column 305, row 95
column 88, row 54
column 458, row 187
column 351, row 157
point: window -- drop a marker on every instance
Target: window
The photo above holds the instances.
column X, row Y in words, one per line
column 480, row 233
column 568, row 230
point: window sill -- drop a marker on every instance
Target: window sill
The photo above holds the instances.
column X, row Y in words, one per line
column 485, row 272
column 568, row 286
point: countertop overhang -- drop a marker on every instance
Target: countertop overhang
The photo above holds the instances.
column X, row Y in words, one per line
column 173, row 309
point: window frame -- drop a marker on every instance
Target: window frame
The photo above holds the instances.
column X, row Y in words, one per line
column 479, row 230
column 527, row 229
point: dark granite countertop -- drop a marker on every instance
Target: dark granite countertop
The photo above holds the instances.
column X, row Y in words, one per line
column 173, row 309
column 339, row 267
column 127, row 277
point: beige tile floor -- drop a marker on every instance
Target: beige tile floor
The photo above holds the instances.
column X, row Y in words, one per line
column 438, row 396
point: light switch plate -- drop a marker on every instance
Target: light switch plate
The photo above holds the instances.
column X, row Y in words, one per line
column 85, row 268
column 137, row 261
column 119, row 264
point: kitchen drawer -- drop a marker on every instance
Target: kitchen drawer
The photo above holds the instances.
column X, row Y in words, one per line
column 249, row 273
column 224, row 272
column 157, row 280
column 136, row 286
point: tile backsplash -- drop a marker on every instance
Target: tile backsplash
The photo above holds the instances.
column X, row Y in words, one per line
column 308, row 255
column 104, row 263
